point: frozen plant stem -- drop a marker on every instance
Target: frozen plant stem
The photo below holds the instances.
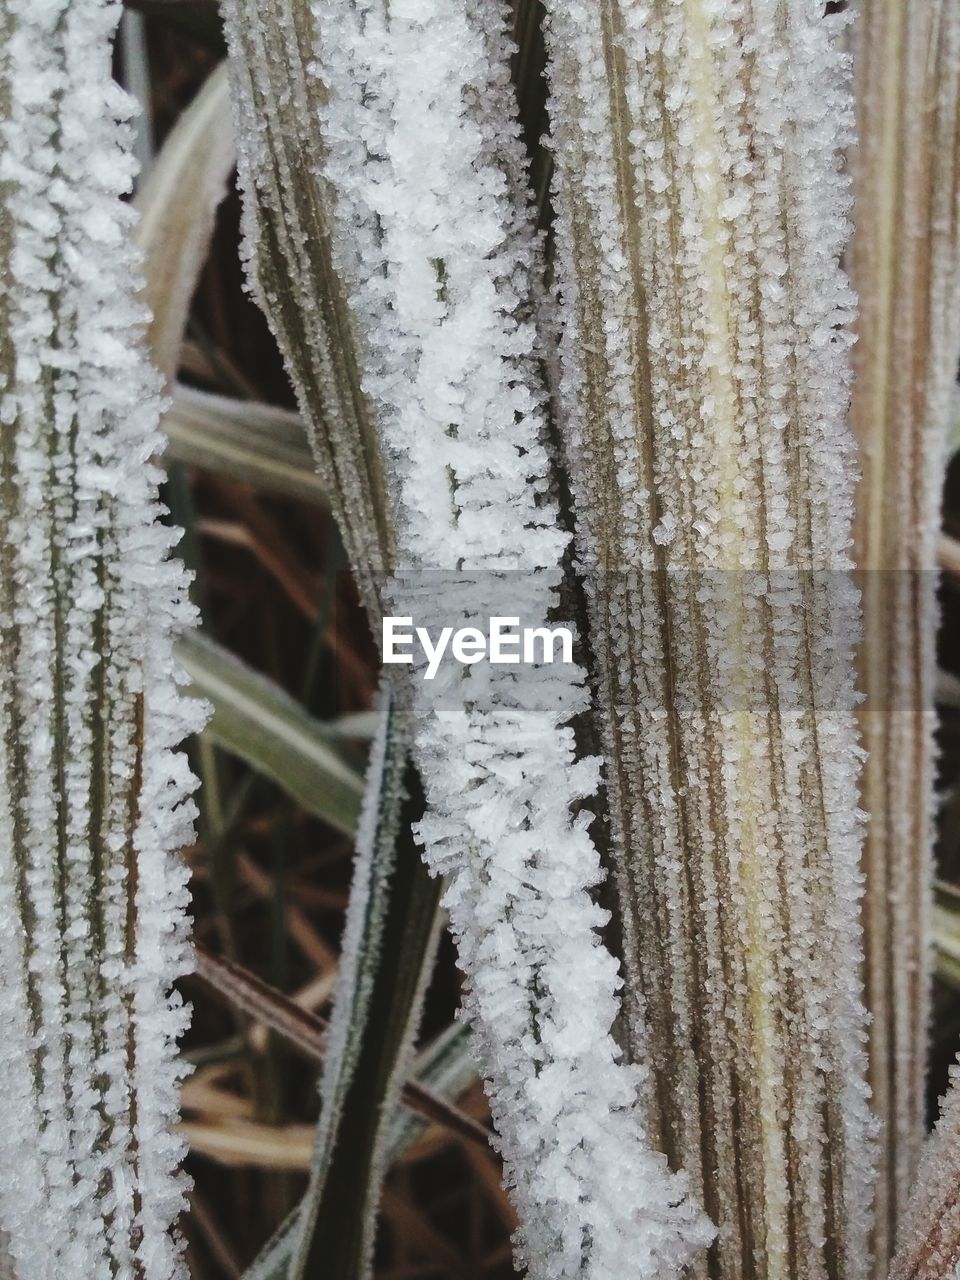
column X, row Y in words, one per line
column 432, row 250
column 287, row 221
column 703, row 393
column 93, row 797
column 905, row 267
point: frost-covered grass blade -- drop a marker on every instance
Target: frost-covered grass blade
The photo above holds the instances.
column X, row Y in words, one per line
column 287, row 225
column 905, row 267
column 447, row 1067
column 386, row 958
column 703, row 390
column 94, row 796
column 403, row 167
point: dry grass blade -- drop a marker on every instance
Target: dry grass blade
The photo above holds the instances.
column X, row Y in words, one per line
column 177, row 204
column 252, row 443
column 905, row 266
column 703, row 388
column 242, row 1144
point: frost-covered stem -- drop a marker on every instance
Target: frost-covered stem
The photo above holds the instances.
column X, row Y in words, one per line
column 703, row 395
column 93, row 797
column 905, row 266
column 433, row 252
column 287, row 221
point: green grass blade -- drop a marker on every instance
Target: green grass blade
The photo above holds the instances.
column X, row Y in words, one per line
column 447, row 1066
column 255, row 719
column 386, row 957
column 387, row 952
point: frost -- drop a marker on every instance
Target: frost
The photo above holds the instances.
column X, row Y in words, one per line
column 450, row 367
column 287, row 219
column 703, row 392
column 93, row 798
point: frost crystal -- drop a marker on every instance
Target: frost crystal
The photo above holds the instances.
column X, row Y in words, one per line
column 703, row 391
column 93, row 797
column 929, row 1231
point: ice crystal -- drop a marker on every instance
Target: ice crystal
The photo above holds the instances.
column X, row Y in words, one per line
column 703, row 392
column 905, row 265
column 93, row 796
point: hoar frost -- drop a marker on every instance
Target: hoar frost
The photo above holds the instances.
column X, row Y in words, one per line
column 93, row 796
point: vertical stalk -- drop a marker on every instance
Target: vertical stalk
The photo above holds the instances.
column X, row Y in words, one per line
column 905, row 267
column 93, row 796
column 700, row 220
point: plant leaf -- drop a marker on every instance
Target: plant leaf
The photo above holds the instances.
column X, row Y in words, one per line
column 287, row 212
column 177, row 204
column 307, row 1031
column 447, row 1066
column 700, row 218
column 253, row 443
column 94, row 790
column 904, row 263
column 255, row 719
column 391, row 928
column 386, row 956
column 498, row 757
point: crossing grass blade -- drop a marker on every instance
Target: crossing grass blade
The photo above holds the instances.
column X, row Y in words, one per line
column 389, row 941
column 255, row 719
column 386, row 957
column 252, row 443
